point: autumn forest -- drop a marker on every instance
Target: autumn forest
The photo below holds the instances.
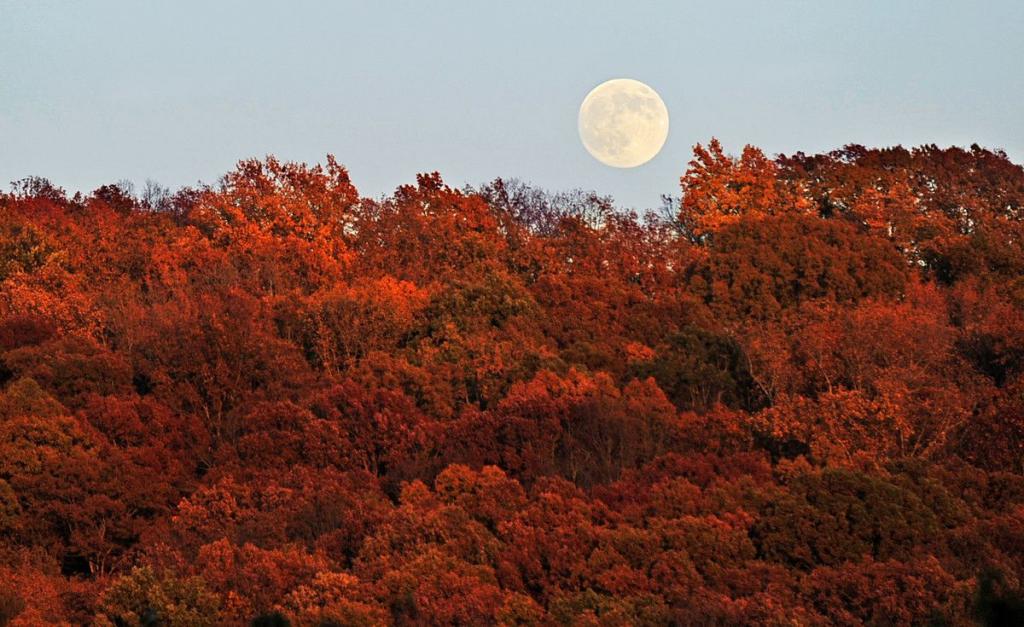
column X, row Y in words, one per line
column 793, row 395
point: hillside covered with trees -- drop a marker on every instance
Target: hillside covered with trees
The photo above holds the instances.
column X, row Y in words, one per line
column 794, row 396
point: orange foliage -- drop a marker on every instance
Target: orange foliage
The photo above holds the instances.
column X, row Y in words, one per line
column 799, row 400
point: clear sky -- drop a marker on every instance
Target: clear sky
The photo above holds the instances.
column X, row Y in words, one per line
column 93, row 92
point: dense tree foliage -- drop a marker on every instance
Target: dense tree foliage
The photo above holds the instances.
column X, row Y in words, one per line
column 798, row 400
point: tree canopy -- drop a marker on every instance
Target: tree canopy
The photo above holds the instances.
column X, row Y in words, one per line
column 799, row 399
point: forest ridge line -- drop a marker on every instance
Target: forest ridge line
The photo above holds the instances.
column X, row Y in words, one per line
column 795, row 395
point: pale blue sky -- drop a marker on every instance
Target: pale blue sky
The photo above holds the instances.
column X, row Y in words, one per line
column 93, row 92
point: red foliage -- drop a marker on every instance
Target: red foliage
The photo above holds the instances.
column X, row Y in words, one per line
column 800, row 400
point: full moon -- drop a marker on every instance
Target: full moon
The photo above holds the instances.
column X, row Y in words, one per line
column 623, row 123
